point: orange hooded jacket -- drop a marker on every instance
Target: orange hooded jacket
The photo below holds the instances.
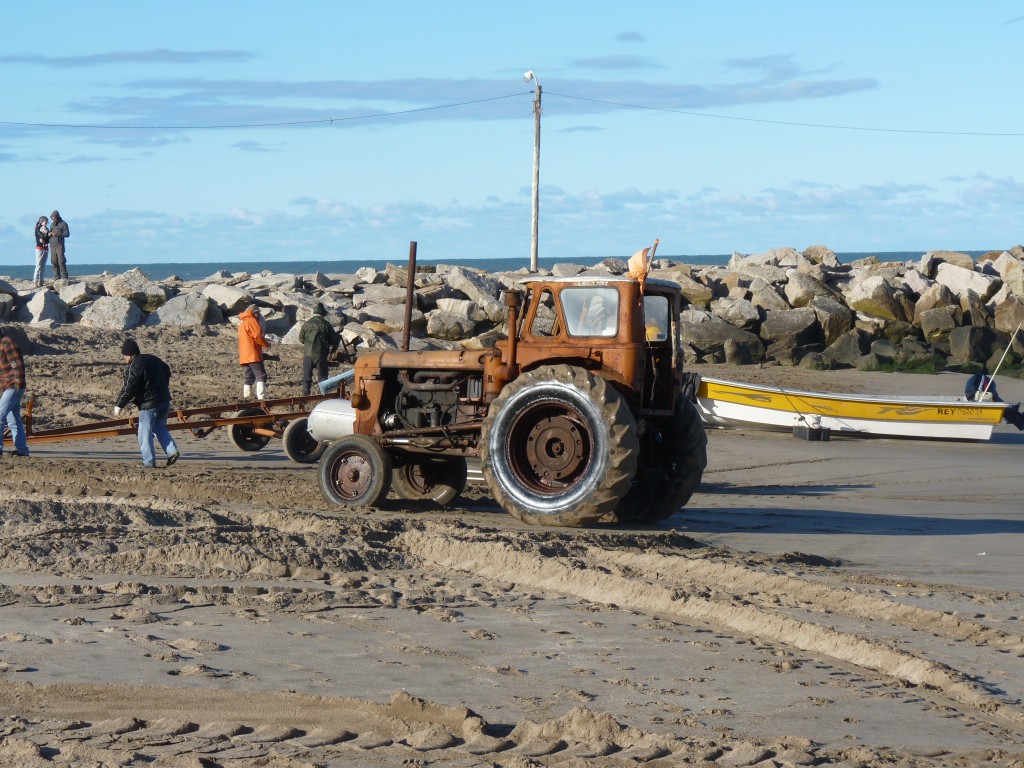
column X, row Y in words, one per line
column 250, row 339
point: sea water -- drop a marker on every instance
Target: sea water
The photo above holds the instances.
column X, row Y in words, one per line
column 201, row 270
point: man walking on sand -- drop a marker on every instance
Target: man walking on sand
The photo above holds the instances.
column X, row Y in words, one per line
column 147, row 384
column 59, row 232
column 318, row 339
column 12, row 387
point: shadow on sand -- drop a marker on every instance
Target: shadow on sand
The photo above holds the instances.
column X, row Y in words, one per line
column 825, row 521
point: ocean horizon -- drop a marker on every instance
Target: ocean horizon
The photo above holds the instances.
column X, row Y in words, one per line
column 202, row 269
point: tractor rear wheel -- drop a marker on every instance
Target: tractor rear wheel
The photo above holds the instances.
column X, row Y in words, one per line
column 299, row 445
column 437, row 480
column 559, row 447
column 355, row 472
column 678, row 460
column 242, row 435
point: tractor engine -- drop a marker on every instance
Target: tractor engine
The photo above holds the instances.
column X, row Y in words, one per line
column 433, row 399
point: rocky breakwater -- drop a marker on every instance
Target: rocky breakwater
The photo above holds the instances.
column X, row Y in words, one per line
column 792, row 307
column 945, row 309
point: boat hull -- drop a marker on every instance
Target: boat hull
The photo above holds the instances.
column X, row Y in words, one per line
column 731, row 404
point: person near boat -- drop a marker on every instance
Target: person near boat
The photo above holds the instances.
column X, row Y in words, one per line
column 981, row 388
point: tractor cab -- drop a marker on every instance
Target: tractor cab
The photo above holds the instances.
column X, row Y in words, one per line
column 612, row 326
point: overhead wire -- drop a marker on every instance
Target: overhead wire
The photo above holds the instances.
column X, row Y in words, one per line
column 782, row 122
column 279, row 124
column 436, row 107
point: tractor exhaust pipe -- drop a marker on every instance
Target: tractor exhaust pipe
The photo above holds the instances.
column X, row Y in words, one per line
column 410, row 295
column 512, row 299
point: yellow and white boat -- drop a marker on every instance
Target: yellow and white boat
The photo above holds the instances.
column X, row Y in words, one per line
column 732, row 404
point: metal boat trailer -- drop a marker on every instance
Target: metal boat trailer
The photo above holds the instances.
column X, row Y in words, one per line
column 251, row 425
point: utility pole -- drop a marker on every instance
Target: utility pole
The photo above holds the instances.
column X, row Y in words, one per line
column 528, row 76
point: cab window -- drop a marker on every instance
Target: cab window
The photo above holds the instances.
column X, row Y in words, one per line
column 591, row 311
column 545, row 322
column 656, row 318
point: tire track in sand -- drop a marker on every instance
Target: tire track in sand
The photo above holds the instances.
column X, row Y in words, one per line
column 447, row 547
column 812, row 596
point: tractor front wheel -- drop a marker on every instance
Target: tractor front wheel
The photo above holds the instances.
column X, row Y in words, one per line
column 355, row 472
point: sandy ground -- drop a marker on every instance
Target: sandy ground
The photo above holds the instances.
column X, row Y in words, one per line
column 853, row 603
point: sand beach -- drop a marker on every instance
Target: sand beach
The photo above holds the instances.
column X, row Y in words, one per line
column 854, row 602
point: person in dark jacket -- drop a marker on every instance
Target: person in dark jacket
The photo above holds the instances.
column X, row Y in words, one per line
column 147, row 385
column 981, row 386
column 42, row 249
column 318, row 340
column 59, row 232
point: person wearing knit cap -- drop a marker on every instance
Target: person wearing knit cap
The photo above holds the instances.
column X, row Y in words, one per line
column 147, row 384
column 12, row 388
column 59, row 232
column 318, row 339
column 251, row 346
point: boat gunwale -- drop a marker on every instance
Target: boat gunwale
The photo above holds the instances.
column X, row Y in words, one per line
column 937, row 400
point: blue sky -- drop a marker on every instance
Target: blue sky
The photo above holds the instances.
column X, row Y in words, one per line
column 692, row 122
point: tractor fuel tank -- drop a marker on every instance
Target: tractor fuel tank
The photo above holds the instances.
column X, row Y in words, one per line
column 331, row 420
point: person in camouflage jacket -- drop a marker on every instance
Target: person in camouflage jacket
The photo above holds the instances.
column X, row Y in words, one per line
column 318, row 339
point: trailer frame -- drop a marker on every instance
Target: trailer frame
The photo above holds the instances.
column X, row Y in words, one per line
column 252, row 425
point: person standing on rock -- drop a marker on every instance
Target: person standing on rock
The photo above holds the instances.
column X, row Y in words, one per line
column 318, row 339
column 12, row 387
column 59, row 232
column 42, row 250
column 251, row 344
column 147, row 382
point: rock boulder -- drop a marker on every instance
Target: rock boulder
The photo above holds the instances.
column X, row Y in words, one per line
column 113, row 313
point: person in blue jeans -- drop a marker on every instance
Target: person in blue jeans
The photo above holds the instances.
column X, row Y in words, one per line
column 147, row 384
column 12, row 387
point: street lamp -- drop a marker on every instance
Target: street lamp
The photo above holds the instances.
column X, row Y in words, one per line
column 527, row 77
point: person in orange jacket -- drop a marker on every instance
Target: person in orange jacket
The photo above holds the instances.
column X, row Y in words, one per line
column 250, row 353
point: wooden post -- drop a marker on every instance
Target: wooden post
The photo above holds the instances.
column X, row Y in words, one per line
column 536, row 176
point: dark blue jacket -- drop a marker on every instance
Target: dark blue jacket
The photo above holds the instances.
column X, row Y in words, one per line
column 146, row 383
column 977, row 383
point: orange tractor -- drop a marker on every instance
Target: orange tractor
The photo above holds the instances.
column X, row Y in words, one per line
column 577, row 417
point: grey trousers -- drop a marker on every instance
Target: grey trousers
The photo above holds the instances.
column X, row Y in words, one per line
column 60, row 266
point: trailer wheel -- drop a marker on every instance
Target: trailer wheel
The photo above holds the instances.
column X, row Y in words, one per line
column 242, row 435
column 559, row 447
column 299, row 445
column 355, row 472
column 680, row 461
column 437, row 480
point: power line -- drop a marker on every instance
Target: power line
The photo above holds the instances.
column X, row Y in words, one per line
column 782, row 122
column 398, row 113
column 286, row 123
